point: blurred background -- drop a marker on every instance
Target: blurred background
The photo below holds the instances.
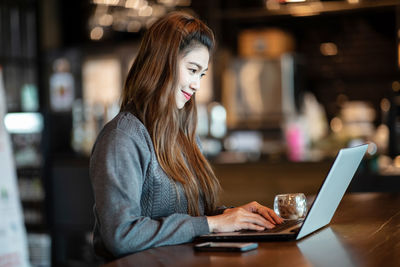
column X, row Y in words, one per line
column 290, row 83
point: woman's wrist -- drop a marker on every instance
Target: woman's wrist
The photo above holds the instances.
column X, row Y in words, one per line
column 211, row 223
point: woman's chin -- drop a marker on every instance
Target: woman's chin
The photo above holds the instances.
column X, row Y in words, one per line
column 181, row 104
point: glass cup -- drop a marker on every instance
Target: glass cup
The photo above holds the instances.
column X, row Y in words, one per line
column 291, row 206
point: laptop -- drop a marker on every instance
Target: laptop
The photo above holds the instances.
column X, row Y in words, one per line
column 321, row 211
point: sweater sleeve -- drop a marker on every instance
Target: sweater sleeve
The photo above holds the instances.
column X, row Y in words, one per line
column 118, row 168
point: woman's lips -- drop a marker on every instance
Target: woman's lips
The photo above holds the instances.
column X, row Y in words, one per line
column 187, row 95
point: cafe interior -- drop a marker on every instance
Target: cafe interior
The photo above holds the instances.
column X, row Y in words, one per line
column 290, row 83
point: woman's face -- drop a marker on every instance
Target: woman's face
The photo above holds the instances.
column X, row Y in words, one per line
column 192, row 66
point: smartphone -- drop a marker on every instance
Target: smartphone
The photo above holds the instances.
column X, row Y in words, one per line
column 225, row 246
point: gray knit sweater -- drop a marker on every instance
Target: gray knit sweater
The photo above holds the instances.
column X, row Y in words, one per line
column 136, row 205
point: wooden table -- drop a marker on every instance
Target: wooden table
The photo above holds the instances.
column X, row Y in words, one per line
column 365, row 231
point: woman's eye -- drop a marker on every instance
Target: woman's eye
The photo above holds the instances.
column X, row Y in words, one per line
column 202, row 75
column 192, row 70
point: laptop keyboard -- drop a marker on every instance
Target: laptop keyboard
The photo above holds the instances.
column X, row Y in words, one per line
column 279, row 227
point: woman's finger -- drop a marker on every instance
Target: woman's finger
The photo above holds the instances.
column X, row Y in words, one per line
column 252, row 226
column 269, row 214
column 275, row 216
column 258, row 219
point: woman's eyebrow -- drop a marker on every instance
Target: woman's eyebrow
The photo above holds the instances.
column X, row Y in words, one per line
column 198, row 65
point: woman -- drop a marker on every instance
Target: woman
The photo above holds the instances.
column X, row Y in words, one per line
column 152, row 185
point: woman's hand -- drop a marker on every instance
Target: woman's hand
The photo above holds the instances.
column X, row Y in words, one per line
column 252, row 216
column 267, row 213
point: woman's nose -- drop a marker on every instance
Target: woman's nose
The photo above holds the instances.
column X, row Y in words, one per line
column 195, row 84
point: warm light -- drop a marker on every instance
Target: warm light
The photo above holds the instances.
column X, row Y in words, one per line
column 336, row 124
column 305, row 9
column 100, row 10
column 272, row 5
column 170, row 3
column 396, row 86
column 385, row 104
column 143, row 4
column 397, row 162
column 158, row 10
column 106, row 2
column 150, row 22
column 398, row 54
column 353, row 1
column 106, row 20
column 96, row 33
column 119, row 25
column 134, row 26
column 101, row 81
column 119, row 13
column 328, row 49
column 132, row 4
column 145, row 11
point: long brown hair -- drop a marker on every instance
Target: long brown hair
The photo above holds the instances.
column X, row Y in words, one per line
column 149, row 93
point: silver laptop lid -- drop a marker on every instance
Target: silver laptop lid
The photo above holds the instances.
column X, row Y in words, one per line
column 333, row 189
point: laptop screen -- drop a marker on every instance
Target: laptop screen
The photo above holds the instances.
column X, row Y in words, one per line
column 332, row 189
